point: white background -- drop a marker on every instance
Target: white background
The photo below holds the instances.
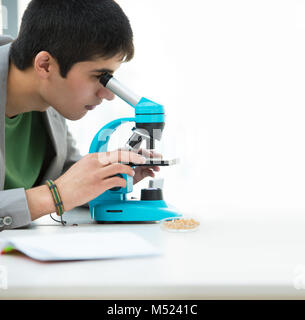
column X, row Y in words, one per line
column 231, row 75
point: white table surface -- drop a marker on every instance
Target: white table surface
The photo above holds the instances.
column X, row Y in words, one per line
column 229, row 257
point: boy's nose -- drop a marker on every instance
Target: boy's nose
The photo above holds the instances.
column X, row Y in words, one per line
column 104, row 93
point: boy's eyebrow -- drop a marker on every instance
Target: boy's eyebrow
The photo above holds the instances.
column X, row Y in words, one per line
column 103, row 70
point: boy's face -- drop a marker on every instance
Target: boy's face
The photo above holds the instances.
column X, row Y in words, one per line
column 81, row 90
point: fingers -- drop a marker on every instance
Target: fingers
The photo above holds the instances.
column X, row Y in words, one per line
column 116, row 168
column 156, row 155
column 154, row 168
column 106, row 158
column 150, row 154
column 145, row 153
column 116, row 181
column 150, row 173
column 110, row 178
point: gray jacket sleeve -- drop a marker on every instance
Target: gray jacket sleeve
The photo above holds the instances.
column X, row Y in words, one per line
column 14, row 211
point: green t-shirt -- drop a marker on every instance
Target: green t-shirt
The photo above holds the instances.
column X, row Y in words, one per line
column 25, row 149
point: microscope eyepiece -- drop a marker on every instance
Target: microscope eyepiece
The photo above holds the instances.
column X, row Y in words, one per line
column 111, row 83
column 105, row 78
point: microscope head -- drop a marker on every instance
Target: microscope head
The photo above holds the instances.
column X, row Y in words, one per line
column 149, row 115
column 150, row 122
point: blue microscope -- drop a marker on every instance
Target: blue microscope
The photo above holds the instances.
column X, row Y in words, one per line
column 113, row 205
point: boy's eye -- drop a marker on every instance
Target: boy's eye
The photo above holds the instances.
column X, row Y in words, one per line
column 98, row 76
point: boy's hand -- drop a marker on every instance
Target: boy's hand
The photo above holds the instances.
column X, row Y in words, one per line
column 94, row 174
column 143, row 172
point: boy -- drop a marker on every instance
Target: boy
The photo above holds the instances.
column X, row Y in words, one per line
column 48, row 74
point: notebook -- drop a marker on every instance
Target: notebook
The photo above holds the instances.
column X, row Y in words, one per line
column 80, row 246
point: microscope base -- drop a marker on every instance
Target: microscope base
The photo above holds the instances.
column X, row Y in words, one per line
column 133, row 210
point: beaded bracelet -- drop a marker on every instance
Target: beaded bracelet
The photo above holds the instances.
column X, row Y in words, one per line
column 57, row 199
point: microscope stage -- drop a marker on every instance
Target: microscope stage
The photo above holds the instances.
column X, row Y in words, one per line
column 154, row 162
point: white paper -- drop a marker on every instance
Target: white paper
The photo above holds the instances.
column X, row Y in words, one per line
column 81, row 246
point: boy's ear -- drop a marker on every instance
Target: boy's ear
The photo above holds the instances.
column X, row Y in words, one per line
column 44, row 64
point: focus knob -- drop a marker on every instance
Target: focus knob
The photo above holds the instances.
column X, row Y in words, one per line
column 151, row 194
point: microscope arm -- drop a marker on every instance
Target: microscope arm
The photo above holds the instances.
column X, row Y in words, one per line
column 101, row 139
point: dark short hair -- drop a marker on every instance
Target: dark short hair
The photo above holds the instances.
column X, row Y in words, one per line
column 72, row 31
